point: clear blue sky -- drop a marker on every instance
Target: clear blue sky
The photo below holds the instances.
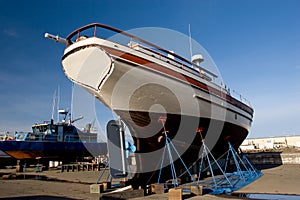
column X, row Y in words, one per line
column 255, row 44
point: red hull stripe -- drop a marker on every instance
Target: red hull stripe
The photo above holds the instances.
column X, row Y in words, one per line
column 154, row 66
column 189, row 80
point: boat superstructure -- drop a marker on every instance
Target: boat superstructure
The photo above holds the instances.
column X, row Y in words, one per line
column 156, row 92
column 54, row 141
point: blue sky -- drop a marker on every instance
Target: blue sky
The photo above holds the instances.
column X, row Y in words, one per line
column 255, row 44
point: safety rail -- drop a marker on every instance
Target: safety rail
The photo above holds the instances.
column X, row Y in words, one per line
column 156, row 49
column 55, row 138
column 227, row 93
column 167, row 58
column 70, row 138
column 237, row 95
column 158, row 52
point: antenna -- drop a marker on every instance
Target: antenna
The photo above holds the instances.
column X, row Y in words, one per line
column 72, row 97
column 58, row 98
column 53, row 104
column 190, row 42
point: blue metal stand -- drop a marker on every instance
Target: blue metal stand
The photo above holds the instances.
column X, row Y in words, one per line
column 102, row 173
column 244, row 173
column 208, row 155
column 168, row 147
column 173, row 170
column 228, row 182
column 109, row 176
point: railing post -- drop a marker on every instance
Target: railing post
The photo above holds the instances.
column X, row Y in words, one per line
column 95, row 28
column 78, row 34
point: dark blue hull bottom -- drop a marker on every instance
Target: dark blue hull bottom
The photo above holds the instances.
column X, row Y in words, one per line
column 147, row 131
column 52, row 150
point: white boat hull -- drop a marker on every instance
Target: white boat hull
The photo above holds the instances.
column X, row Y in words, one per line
column 142, row 89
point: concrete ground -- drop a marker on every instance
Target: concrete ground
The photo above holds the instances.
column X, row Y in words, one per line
column 284, row 179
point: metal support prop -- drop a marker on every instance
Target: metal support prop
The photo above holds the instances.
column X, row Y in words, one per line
column 102, row 173
column 168, row 147
column 245, row 172
column 207, row 154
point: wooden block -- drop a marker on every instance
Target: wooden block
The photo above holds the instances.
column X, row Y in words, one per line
column 197, row 189
column 123, row 195
column 186, row 189
column 106, row 185
column 96, row 188
column 175, row 194
column 157, row 188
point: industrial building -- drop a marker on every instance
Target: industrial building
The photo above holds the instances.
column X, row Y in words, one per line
column 271, row 143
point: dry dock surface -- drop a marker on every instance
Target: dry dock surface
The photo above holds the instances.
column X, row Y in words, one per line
column 284, row 179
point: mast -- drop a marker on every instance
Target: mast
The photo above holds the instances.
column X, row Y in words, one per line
column 53, row 104
column 190, row 43
column 72, row 99
column 57, row 105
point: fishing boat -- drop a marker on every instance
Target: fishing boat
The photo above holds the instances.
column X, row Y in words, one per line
column 50, row 141
column 157, row 94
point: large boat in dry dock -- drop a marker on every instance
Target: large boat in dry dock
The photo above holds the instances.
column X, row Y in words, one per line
column 156, row 92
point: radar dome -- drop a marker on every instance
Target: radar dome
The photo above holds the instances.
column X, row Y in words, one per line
column 197, row 59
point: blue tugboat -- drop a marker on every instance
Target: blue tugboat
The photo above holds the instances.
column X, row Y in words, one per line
column 51, row 141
